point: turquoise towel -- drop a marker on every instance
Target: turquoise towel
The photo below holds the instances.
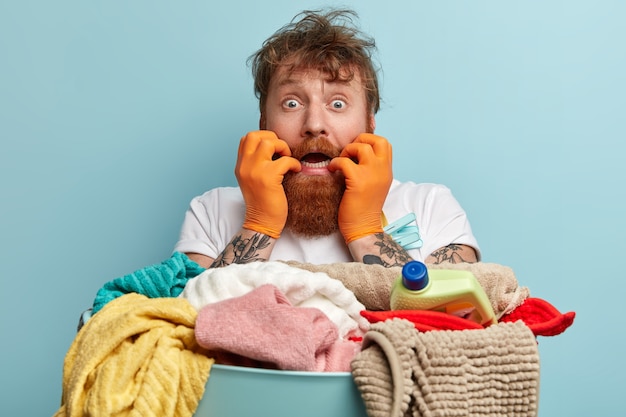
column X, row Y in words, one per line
column 166, row 279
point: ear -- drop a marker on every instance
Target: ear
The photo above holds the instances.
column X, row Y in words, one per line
column 371, row 123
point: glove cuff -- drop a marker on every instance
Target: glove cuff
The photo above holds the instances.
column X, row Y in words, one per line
column 361, row 233
column 273, row 233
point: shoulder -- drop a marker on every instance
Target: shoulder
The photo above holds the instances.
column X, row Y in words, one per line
column 412, row 189
column 423, row 199
column 219, row 194
column 218, row 200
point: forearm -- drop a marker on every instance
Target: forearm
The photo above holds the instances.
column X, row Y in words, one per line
column 378, row 248
column 453, row 253
column 245, row 247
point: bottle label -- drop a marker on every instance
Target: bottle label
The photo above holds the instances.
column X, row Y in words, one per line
column 464, row 310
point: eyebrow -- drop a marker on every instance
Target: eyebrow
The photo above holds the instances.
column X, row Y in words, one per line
column 287, row 81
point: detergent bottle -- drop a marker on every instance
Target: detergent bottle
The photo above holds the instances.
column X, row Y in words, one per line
column 450, row 291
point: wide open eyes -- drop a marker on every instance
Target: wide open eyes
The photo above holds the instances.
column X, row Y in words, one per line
column 338, row 104
column 291, row 104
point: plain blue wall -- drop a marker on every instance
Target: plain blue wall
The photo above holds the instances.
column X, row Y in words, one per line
column 114, row 114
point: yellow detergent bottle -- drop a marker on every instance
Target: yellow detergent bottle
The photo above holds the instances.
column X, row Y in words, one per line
column 450, row 291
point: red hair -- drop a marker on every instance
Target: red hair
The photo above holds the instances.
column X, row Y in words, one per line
column 328, row 42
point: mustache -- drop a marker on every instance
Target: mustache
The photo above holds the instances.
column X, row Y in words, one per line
column 319, row 144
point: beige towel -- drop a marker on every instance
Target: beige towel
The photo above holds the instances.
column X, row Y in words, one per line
column 472, row 373
column 372, row 283
column 136, row 357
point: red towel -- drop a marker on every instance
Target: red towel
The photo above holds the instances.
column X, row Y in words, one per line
column 541, row 317
column 263, row 326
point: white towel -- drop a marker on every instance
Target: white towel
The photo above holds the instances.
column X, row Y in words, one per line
column 302, row 288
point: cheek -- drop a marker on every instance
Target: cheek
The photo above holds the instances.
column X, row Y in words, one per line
column 284, row 132
column 278, row 121
column 286, row 129
column 349, row 131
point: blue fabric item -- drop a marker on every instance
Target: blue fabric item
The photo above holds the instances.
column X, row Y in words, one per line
column 404, row 235
column 167, row 279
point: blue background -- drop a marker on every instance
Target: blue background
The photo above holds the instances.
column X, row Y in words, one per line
column 114, row 114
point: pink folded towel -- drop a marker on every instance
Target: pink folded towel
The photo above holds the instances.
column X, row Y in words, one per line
column 262, row 325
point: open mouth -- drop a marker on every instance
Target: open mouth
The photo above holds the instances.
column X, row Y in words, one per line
column 315, row 160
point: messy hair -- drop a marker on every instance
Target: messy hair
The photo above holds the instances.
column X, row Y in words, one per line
column 329, row 42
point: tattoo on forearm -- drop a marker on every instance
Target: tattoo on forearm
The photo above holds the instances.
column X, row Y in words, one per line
column 243, row 250
column 450, row 253
column 390, row 253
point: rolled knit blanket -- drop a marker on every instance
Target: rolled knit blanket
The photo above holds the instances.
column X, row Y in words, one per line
column 372, row 283
column 472, row 373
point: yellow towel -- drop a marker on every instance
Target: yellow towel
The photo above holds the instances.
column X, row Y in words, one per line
column 136, row 357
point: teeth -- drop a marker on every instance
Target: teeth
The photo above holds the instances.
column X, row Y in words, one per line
column 322, row 164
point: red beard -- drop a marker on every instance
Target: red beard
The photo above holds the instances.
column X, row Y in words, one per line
column 313, row 199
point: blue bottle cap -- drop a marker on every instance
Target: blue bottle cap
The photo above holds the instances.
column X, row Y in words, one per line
column 414, row 275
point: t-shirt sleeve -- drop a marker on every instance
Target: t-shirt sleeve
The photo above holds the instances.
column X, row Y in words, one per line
column 445, row 222
column 211, row 221
column 439, row 217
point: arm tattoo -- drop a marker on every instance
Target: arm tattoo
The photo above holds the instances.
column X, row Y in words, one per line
column 390, row 253
column 242, row 250
column 450, row 254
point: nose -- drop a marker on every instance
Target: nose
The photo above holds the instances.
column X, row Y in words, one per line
column 314, row 122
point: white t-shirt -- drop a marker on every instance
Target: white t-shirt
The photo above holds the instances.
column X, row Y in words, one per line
column 217, row 215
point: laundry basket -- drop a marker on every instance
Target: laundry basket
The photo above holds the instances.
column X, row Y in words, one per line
column 233, row 391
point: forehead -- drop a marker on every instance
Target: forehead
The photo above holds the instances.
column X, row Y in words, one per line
column 286, row 76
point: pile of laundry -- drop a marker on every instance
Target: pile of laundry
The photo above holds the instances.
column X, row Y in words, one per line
column 151, row 337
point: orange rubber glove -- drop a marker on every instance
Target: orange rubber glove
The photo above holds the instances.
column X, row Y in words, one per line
column 260, row 177
column 367, row 185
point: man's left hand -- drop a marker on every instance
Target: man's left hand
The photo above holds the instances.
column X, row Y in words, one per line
column 366, row 165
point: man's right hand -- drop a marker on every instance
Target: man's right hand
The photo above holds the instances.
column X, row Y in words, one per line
column 260, row 177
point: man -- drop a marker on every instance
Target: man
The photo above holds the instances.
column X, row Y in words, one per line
column 315, row 182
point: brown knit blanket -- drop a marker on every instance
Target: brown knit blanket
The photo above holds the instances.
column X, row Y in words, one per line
column 472, row 373
column 372, row 284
